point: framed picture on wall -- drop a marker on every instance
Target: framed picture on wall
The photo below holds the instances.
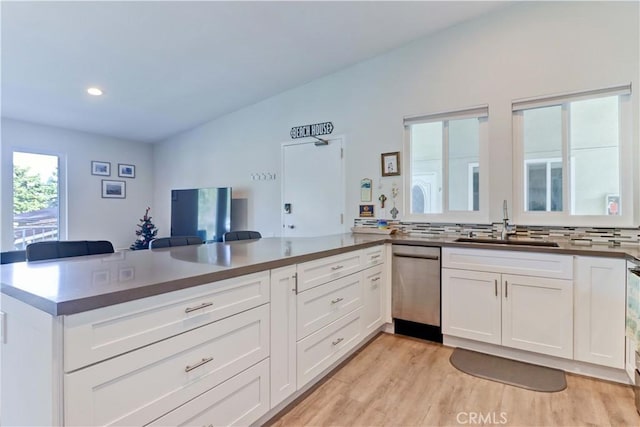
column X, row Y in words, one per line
column 366, row 211
column 113, row 189
column 100, row 168
column 390, row 163
column 126, row 171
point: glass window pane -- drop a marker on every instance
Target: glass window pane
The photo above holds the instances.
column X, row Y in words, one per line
column 464, row 149
column 555, row 189
column 476, row 188
column 426, row 165
column 417, row 199
column 594, row 151
column 35, row 198
column 536, row 187
column 542, row 142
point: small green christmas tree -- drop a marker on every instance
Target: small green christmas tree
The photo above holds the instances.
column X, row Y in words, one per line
column 146, row 233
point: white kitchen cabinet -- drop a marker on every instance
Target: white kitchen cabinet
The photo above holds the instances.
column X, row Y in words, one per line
column 239, row 401
column 321, row 349
column 599, row 300
column 471, row 305
column 226, row 352
column 321, row 305
column 373, row 286
column 283, row 334
column 317, row 272
column 520, row 311
column 537, row 314
column 136, row 387
column 372, row 256
column 96, row 335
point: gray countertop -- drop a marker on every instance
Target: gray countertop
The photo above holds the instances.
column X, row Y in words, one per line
column 74, row 285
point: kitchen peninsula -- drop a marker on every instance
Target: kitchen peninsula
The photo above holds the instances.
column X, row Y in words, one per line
column 163, row 335
column 171, row 336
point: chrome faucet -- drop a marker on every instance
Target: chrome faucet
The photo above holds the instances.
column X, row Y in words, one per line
column 504, row 234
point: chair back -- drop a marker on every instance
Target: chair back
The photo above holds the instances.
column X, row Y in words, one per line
column 12, row 256
column 168, row 242
column 241, row 235
column 65, row 249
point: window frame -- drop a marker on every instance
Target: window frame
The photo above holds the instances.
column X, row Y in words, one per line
column 481, row 113
column 627, row 181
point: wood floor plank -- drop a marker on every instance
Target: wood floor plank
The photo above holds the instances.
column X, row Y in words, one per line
column 400, row 381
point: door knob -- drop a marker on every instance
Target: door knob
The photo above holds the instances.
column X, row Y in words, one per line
column 291, row 226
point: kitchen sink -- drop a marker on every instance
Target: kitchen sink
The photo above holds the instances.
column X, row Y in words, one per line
column 507, row 242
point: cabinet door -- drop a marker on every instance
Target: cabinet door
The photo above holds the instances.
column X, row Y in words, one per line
column 373, row 282
column 283, row 333
column 471, row 305
column 599, row 320
column 537, row 314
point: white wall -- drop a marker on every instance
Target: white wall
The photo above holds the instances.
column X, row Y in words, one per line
column 89, row 216
column 525, row 50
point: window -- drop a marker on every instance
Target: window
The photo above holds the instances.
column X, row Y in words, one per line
column 36, row 198
column 572, row 158
column 445, row 153
column 543, row 185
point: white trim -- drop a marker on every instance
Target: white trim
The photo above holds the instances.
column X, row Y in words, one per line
column 462, row 113
column 559, row 99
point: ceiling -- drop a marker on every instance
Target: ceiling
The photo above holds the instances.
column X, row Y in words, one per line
column 166, row 67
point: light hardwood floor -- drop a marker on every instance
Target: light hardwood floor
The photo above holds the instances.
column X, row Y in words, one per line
column 399, row 381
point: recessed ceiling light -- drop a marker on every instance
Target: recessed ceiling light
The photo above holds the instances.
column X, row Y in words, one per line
column 94, row 91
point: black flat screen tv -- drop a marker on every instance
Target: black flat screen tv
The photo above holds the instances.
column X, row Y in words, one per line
column 203, row 212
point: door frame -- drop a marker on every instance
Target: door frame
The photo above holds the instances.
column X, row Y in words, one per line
column 343, row 158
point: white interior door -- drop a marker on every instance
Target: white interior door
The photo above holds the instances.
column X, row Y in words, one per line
column 313, row 189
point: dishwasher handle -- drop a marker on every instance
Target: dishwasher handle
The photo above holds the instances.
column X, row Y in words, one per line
column 431, row 257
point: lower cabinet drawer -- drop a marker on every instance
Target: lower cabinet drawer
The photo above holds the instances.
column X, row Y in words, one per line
column 241, row 400
column 103, row 333
column 319, row 350
column 372, row 256
column 322, row 305
column 138, row 387
column 323, row 270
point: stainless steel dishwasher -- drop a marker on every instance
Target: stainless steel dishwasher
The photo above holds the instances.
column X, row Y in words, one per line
column 416, row 291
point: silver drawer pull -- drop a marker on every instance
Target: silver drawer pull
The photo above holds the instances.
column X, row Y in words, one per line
column 375, row 256
column 338, row 341
column 337, row 267
column 337, row 300
column 197, row 365
column 199, row 307
column 376, row 279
